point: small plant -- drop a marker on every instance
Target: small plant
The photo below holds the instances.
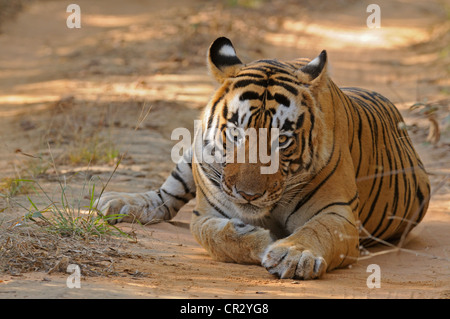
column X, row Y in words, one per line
column 37, row 166
column 68, row 218
column 245, row 3
column 93, row 150
column 12, row 186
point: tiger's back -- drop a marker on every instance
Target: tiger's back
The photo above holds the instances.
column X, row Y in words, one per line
column 392, row 182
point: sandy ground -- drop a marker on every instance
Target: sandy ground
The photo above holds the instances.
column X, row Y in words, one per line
column 60, row 85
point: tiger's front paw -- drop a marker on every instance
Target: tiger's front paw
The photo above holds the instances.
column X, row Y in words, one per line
column 128, row 207
column 293, row 262
column 241, row 228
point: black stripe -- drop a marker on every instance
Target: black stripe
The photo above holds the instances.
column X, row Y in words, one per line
column 286, row 79
column 375, row 200
column 300, row 121
column 287, row 126
column 281, row 99
column 383, row 218
column 303, row 147
column 181, row 199
column 422, row 204
column 337, row 204
column 164, row 204
column 290, row 88
column 275, row 63
column 217, row 209
column 306, row 198
column 234, row 118
column 244, row 83
column 310, row 143
column 213, row 111
column 250, row 95
column 180, row 179
column 225, row 110
column 336, row 214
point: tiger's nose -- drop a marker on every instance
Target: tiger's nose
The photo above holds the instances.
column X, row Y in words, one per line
column 250, row 197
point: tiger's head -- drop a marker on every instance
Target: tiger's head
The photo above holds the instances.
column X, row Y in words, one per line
column 265, row 108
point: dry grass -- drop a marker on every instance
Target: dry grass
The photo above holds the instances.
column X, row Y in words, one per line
column 58, row 230
column 79, row 139
column 26, row 247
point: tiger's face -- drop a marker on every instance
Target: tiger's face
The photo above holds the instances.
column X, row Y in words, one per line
column 263, row 110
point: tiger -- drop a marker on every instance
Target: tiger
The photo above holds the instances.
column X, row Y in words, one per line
column 348, row 175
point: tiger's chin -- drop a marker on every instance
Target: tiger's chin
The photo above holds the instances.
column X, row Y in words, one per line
column 250, row 211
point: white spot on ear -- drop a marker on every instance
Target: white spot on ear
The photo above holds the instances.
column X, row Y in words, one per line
column 315, row 62
column 227, row 50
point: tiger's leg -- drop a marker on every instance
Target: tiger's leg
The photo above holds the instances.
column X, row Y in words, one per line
column 162, row 204
column 327, row 241
column 228, row 240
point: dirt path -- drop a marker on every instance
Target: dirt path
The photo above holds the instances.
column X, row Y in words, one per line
column 64, row 88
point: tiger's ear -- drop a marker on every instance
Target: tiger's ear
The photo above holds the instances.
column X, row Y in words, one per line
column 222, row 61
column 316, row 69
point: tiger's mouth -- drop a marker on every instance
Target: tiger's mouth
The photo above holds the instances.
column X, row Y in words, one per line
column 250, row 207
column 251, row 194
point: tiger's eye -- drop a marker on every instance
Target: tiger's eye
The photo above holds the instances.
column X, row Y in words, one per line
column 282, row 139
